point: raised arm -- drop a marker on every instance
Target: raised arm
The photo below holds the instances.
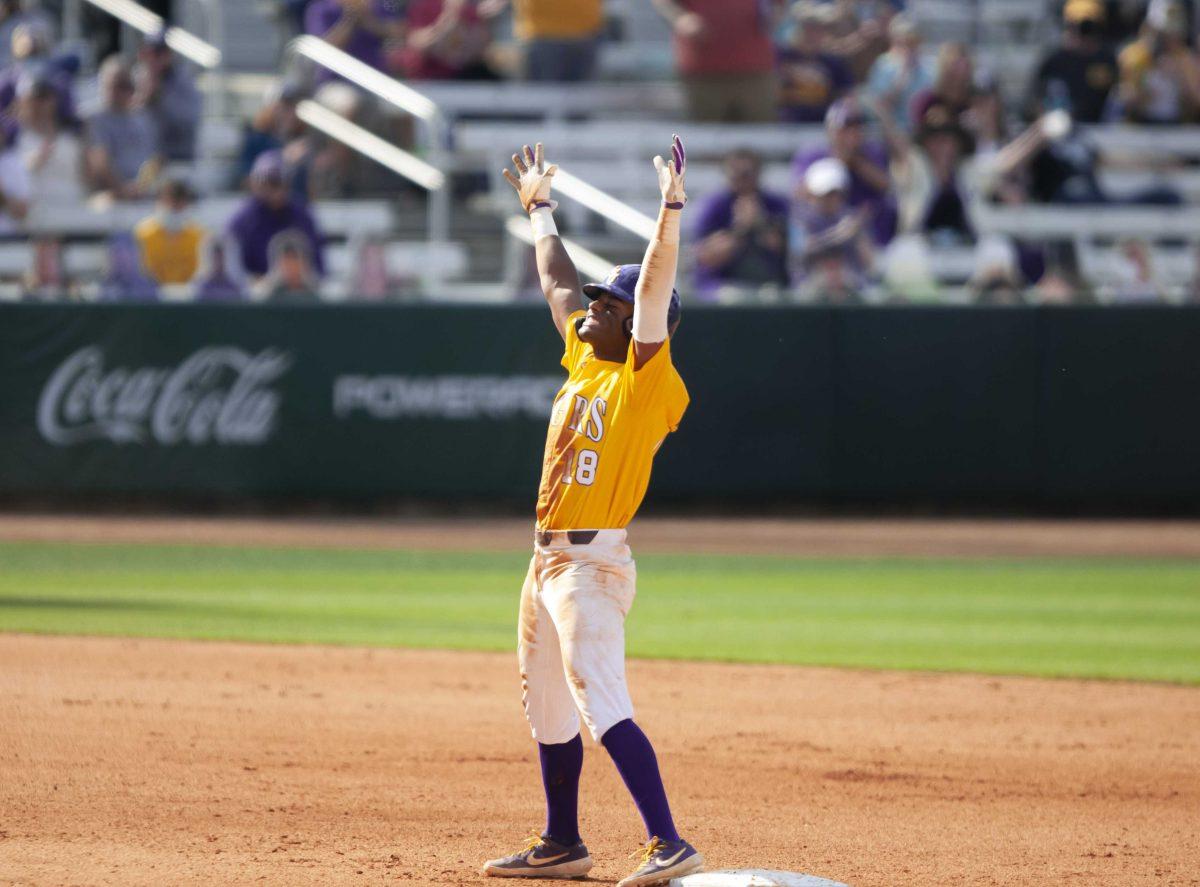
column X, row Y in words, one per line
column 656, row 283
column 559, row 279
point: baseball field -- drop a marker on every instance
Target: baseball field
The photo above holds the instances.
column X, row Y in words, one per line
column 325, row 702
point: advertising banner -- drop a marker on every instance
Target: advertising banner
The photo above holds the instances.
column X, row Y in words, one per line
column 1022, row 408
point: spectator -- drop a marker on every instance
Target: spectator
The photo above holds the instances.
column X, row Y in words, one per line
column 831, row 283
column 214, row 281
column 1131, row 278
column 1192, row 293
column 825, row 230
column 561, row 38
column 1080, row 74
column 996, row 279
column 289, row 17
column 46, row 281
column 166, row 90
column 372, row 281
column 125, row 281
column 1067, row 172
column 741, row 231
column 907, row 270
column 170, row 240
column 13, row 14
column 266, row 212
column 276, row 127
column 291, row 279
column 866, row 165
column 447, row 40
column 360, row 28
column 122, row 155
column 953, row 86
column 933, row 198
column 31, row 59
column 863, row 37
column 811, row 77
column 900, row 74
column 986, row 118
column 52, row 155
column 333, row 169
column 15, row 187
column 725, row 59
column 1062, row 283
column 1160, row 76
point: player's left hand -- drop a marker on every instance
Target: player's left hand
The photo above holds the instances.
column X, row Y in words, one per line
column 670, row 174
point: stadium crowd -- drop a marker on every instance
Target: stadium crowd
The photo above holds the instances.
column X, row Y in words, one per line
column 917, row 138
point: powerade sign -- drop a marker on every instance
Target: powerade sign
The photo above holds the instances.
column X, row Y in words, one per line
column 455, row 398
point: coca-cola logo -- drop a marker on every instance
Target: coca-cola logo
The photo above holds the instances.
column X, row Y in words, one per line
column 217, row 395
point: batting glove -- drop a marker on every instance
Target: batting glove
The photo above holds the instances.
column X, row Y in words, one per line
column 670, row 175
column 532, row 181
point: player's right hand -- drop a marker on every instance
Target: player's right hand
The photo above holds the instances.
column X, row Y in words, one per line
column 532, row 180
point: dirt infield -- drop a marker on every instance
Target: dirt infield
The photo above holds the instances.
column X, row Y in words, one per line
column 815, row 537
column 160, row 763
column 155, row 762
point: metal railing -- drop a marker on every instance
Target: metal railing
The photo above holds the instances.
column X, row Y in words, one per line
column 590, row 264
column 142, row 19
column 423, row 173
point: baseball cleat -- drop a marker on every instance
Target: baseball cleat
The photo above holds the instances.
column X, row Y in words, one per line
column 543, row 858
column 662, row 861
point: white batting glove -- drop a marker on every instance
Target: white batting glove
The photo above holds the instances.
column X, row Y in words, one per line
column 670, row 175
column 532, row 181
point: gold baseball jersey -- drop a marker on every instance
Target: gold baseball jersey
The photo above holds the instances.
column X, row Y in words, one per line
column 607, row 424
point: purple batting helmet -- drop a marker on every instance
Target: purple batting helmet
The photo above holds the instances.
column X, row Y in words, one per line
column 622, row 283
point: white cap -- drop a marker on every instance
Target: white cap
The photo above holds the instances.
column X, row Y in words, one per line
column 826, row 176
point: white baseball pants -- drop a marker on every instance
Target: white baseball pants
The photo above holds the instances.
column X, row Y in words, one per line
column 571, row 637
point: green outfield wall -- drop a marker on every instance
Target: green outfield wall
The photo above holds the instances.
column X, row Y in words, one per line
column 1028, row 409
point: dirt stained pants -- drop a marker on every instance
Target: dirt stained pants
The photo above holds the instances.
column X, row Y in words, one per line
column 571, row 637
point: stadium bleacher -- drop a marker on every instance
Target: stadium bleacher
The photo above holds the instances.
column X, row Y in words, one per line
column 603, row 132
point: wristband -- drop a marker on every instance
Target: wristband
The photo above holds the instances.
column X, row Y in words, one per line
column 542, row 220
column 540, row 204
column 672, row 205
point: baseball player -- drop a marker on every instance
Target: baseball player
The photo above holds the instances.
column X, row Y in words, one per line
column 621, row 399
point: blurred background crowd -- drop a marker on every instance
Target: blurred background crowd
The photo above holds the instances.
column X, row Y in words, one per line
column 852, row 151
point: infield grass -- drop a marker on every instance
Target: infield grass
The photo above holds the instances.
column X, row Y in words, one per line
column 1110, row 618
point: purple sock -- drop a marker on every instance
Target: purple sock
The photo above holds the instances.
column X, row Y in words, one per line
column 634, row 756
column 561, row 766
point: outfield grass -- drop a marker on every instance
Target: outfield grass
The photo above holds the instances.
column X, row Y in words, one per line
column 1096, row 618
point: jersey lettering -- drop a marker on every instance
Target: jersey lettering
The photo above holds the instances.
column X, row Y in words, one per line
column 578, row 411
column 587, row 418
column 595, row 425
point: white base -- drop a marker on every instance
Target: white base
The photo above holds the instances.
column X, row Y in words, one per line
column 752, row 878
